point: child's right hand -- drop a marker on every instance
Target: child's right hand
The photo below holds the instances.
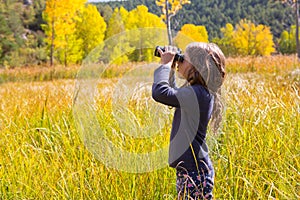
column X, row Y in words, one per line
column 168, row 55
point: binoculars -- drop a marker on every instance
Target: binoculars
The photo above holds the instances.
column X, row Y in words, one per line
column 178, row 56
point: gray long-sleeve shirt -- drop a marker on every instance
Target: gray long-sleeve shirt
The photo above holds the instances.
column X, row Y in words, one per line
column 193, row 108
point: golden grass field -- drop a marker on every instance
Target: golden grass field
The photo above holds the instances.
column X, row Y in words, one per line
column 256, row 156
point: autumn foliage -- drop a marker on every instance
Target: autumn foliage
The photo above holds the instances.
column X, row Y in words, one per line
column 247, row 39
column 61, row 18
column 173, row 6
column 190, row 33
column 73, row 29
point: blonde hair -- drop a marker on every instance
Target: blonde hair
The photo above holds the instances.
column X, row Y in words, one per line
column 209, row 70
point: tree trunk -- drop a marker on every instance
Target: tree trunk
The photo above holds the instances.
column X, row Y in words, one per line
column 297, row 30
column 52, row 44
column 168, row 23
column 66, row 63
column 66, row 51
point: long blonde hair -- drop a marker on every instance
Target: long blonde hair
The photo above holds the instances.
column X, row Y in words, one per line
column 209, row 70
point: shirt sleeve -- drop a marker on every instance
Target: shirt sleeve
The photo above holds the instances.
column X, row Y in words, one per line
column 172, row 79
column 163, row 92
column 161, row 89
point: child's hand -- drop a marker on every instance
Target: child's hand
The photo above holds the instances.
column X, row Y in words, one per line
column 168, row 55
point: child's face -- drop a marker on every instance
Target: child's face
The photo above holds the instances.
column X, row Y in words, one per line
column 184, row 67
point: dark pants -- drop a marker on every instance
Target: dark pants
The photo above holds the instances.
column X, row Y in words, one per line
column 194, row 185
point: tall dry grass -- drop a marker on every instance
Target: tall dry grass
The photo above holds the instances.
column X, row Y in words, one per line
column 255, row 157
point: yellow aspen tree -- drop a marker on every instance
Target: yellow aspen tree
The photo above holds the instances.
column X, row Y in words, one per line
column 169, row 9
column 61, row 18
column 140, row 17
column 50, row 15
column 226, row 43
column 116, row 48
column 190, row 33
column 253, row 40
column 90, row 29
column 140, row 41
column 264, row 40
column 116, row 23
column 146, row 39
column 243, row 38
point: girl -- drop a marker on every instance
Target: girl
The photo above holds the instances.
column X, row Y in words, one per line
column 203, row 66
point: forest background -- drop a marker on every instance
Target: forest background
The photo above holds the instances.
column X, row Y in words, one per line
column 26, row 31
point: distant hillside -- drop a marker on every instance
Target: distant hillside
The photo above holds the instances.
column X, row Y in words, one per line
column 214, row 14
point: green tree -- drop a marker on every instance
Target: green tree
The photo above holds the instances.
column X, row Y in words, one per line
column 21, row 21
column 36, row 9
column 7, row 42
column 295, row 5
column 287, row 42
column 13, row 16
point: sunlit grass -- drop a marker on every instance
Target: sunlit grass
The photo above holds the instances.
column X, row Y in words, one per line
column 258, row 155
column 255, row 157
column 262, row 65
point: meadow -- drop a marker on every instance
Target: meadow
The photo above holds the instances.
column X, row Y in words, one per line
column 256, row 155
